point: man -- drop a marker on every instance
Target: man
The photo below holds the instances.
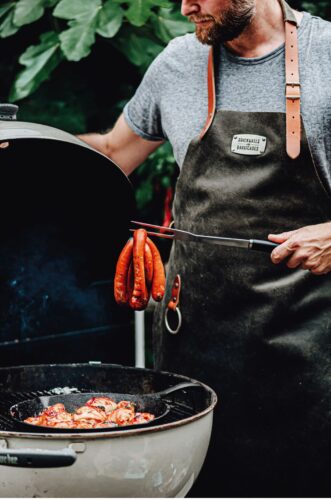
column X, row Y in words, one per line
column 256, row 330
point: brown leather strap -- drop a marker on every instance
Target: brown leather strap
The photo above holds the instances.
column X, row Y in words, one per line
column 293, row 91
column 211, row 93
column 175, row 292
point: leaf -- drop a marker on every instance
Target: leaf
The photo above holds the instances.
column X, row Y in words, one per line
column 110, row 19
column 7, row 27
column 167, row 25
column 139, row 11
column 76, row 42
column 140, row 50
column 51, row 3
column 74, row 9
column 5, row 8
column 28, row 11
column 39, row 60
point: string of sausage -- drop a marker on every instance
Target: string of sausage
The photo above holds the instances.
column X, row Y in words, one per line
column 139, row 273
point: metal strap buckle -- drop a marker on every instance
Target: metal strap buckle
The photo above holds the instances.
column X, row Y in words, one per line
column 292, row 86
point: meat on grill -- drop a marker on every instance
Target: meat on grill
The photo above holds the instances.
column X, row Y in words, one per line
column 97, row 413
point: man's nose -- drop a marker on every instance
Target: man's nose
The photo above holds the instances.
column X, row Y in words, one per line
column 189, row 7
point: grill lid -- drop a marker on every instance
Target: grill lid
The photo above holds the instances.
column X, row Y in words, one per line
column 65, row 211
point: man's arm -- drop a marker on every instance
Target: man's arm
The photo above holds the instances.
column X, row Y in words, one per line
column 122, row 145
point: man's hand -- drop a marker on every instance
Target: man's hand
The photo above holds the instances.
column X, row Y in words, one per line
column 308, row 247
column 4, row 145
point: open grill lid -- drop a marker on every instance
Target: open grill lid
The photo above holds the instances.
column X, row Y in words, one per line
column 65, row 217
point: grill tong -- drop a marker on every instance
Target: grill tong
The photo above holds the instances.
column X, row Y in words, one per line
column 181, row 235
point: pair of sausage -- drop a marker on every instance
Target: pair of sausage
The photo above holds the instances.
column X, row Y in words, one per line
column 139, row 273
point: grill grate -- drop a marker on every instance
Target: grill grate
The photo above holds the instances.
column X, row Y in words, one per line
column 179, row 410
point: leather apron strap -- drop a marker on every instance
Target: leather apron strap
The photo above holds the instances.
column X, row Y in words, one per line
column 211, row 93
column 293, row 89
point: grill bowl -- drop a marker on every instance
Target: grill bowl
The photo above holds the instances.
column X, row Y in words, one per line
column 162, row 459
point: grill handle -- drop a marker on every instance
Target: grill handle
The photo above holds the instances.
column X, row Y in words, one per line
column 39, row 459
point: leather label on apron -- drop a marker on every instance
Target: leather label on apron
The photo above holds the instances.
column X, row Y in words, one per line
column 248, row 144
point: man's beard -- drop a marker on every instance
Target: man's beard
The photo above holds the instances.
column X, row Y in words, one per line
column 228, row 26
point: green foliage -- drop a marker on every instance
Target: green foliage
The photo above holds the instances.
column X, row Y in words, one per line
column 320, row 8
column 168, row 24
column 110, row 19
column 76, row 42
column 158, row 172
column 39, row 60
column 139, row 48
column 139, row 11
column 28, row 11
column 138, row 28
column 7, row 26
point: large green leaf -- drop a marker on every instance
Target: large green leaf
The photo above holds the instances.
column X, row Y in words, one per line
column 75, row 9
column 76, row 42
column 110, row 19
column 7, row 26
column 28, row 11
column 39, row 61
column 167, row 25
column 140, row 50
column 140, row 11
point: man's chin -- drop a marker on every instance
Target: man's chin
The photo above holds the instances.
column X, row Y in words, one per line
column 202, row 36
column 217, row 36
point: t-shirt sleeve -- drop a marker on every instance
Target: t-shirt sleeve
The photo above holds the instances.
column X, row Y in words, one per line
column 142, row 112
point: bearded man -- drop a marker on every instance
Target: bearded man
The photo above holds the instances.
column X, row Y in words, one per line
column 246, row 104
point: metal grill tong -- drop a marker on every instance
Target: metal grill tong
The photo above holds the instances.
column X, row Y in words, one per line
column 180, row 234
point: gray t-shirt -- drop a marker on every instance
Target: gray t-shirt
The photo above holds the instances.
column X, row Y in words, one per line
column 171, row 101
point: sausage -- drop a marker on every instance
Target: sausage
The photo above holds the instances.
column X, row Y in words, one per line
column 121, row 273
column 130, row 283
column 148, row 275
column 129, row 286
column 148, row 266
column 139, row 297
column 158, row 283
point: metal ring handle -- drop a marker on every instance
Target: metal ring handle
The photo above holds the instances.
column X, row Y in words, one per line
column 170, row 330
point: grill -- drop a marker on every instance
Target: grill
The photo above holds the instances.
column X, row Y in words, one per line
column 15, row 381
column 159, row 459
column 71, row 234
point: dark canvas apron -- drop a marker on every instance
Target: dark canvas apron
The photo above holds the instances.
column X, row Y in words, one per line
column 258, row 333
